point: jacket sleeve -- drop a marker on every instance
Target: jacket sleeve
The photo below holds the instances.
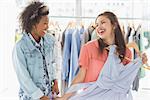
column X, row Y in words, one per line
column 23, row 75
column 55, row 63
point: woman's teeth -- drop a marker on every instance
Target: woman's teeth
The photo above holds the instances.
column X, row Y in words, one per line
column 101, row 31
column 45, row 31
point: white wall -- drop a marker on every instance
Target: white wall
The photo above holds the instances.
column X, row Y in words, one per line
column 8, row 80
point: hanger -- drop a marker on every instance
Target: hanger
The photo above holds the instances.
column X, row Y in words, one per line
column 128, row 34
column 72, row 25
column 146, row 66
column 139, row 26
column 135, row 47
column 107, row 48
column 133, row 27
column 69, row 24
column 57, row 26
column 51, row 24
column 82, row 24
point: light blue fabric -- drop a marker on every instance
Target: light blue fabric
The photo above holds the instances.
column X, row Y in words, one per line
column 113, row 82
column 71, row 52
column 75, row 50
column 67, row 53
column 28, row 64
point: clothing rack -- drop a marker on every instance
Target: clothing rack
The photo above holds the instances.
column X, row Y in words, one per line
column 81, row 17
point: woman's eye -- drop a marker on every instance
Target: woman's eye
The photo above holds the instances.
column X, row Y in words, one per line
column 103, row 22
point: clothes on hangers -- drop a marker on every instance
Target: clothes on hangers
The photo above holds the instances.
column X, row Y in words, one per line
column 147, row 36
column 129, row 29
column 134, row 35
column 63, row 39
column 55, row 31
column 71, row 52
column 67, row 53
column 66, row 56
column 136, row 39
column 94, row 35
column 87, row 35
column 75, row 50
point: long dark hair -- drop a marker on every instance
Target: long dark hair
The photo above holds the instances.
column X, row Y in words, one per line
column 32, row 14
column 119, row 38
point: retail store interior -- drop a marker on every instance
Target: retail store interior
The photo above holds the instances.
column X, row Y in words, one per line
column 79, row 13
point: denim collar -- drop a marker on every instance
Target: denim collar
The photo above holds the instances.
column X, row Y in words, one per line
column 46, row 41
column 40, row 44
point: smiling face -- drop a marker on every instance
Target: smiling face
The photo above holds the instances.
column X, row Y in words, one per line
column 109, row 31
column 104, row 28
column 41, row 27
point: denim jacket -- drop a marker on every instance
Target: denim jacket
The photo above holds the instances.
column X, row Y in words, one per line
column 28, row 63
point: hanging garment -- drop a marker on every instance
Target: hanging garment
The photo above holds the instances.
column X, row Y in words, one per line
column 87, row 35
column 147, row 36
column 137, row 40
column 94, row 35
column 135, row 85
column 75, row 50
column 56, row 32
column 113, row 82
column 63, row 39
column 71, row 52
column 67, row 54
column 129, row 29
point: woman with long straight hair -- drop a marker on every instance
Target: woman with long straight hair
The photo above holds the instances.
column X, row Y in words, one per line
column 105, row 73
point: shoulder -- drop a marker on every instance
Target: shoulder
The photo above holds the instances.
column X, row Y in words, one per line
column 24, row 43
column 49, row 39
column 19, row 47
column 91, row 44
column 91, row 48
column 20, row 43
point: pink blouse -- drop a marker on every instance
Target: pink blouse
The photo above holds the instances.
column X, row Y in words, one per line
column 93, row 61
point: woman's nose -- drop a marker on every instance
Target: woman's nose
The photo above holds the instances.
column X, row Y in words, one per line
column 46, row 27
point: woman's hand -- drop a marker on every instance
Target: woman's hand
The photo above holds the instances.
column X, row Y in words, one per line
column 55, row 88
column 65, row 96
column 144, row 58
column 44, row 98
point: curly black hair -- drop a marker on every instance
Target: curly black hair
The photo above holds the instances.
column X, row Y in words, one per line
column 32, row 14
